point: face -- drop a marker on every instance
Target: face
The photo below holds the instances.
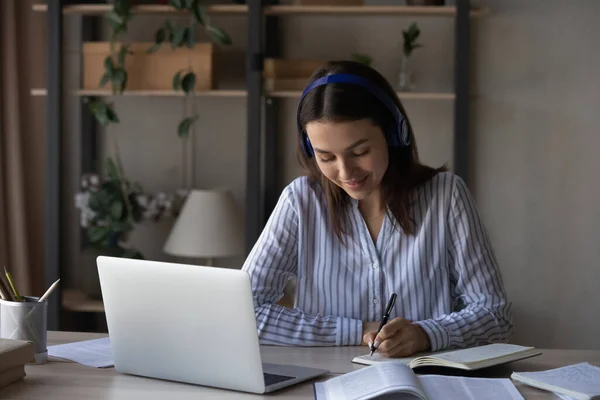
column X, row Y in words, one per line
column 351, row 154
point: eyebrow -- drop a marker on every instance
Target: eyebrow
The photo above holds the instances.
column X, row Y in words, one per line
column 353, row 145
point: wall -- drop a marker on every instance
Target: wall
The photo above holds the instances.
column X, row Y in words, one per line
column 536, row 96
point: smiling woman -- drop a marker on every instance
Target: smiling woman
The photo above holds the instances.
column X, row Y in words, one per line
column 370, row 220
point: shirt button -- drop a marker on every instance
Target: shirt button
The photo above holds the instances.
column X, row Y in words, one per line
column 376, row 301
column 375, row 266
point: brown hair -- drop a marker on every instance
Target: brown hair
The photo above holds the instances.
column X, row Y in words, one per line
column 337, row 102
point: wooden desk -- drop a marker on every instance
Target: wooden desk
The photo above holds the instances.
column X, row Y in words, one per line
column 67, row 380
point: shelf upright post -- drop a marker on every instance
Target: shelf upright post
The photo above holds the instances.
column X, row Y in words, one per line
column 461, row 88
column 52, row 252
column 273, row 39
column 254, row 68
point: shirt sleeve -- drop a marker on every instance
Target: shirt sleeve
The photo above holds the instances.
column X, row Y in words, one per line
column 483, row 312
column 271, row 262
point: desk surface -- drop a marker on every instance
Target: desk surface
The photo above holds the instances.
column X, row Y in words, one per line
column 67, row 380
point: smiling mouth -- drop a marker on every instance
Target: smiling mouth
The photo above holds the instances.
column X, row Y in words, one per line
column 355, row 184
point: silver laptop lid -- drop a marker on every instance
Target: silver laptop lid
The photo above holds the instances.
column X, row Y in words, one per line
column 182, row 322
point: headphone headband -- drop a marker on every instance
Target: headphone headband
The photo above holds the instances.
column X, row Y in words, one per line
column 399, row 135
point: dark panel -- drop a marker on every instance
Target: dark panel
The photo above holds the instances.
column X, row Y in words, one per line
column 254, row 61
column 272, row 49
column 53, row 157
column 461, row 87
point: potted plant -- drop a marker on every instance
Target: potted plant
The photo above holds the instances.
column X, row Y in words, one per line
column 410, row 35
column 110, row 207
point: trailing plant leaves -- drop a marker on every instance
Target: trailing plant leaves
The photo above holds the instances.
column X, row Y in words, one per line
column 97, row 233
column 191, row 36
column 178, row 37
column 120, row 79
column 98, row 110
column 188, row 83
column 362, row 58
column 116, row 210
column 190, row 3
column 104, row 80
column 178, row 4
column 114, row 18
column 218, row 35
column 159, row 37
column 177, row 80
column 184, row 126
column 111, row 169
column 122, row 54
column 112, row 115
column 199, row 12
column 108, row 65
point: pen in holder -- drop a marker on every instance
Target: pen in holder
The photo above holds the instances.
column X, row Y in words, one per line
column 26, row 320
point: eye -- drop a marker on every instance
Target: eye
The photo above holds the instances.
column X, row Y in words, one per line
column 326, row 160
column 361, row 153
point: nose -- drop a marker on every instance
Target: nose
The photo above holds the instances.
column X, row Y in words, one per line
column 346, row 169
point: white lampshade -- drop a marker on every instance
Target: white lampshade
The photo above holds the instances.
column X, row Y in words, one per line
column 210, row 225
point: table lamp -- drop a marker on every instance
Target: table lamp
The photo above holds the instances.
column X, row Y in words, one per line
column 209, row 226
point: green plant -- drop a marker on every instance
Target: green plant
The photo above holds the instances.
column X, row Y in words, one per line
column 107, row 215
column 178, row 36
column 410, row 38
column 362, row 58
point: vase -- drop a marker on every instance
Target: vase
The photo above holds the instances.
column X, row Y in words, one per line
column 405, row 77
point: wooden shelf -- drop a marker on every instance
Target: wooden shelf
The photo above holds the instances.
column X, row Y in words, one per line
column 441, row 11
column 237, row 93
column 149, row 93
column 77, row 301
column 99, row 9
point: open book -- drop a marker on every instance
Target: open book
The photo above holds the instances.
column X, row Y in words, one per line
column 578, row 381
column 398, row 381
column 468, row 359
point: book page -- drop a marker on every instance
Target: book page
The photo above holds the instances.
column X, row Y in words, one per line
column 581, row 378
column 439, row 387
column 377, row 357
column 481, row 353
column 93, row 353
column 371, row 381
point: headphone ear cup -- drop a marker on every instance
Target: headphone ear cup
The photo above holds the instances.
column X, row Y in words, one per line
column 308, row 150
column 404, row 136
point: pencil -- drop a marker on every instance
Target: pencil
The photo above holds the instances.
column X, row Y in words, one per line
column 12, row 284
column 6, row 289
column 49, row 291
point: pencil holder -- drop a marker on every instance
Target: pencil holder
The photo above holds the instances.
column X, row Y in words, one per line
column 26, row 320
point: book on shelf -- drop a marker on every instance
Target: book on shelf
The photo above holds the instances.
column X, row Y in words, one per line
column 397, row 380
column 472, row 358
column 578, row 381
column 14, row 354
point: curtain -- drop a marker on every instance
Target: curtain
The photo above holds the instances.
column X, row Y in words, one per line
column 22, row 156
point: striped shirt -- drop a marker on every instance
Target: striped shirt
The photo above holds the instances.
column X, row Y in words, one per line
column 446, row 276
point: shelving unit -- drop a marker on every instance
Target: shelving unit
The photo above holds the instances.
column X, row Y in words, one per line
column 263, row 23
column 234, row 93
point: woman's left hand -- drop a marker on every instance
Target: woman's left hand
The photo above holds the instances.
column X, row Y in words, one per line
column 399, row 338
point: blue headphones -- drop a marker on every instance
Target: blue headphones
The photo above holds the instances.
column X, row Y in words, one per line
column 397, row 137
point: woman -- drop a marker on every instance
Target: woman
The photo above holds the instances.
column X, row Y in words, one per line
column 367, row 221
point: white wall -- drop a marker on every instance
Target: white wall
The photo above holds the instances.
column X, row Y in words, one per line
column 534, row 140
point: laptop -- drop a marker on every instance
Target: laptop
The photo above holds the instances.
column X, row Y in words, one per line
column 188, row 323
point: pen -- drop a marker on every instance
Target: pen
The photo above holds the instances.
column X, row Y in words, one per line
column 386, row 316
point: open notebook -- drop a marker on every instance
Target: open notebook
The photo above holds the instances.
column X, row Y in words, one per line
column 398, row 381
column 467, row 359
column 578, row 381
